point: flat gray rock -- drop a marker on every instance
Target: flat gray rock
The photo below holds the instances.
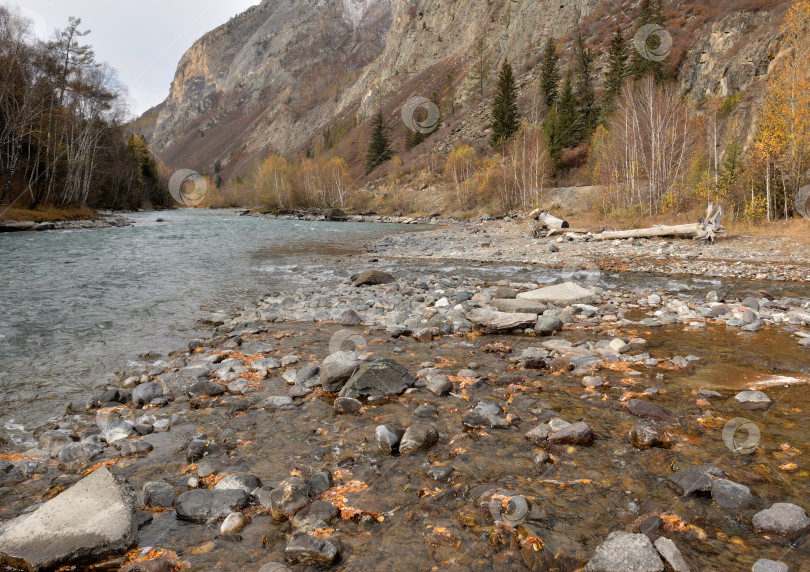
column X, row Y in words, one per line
column 625, row 552
column 91, row 520
column 564, row 294
column 501, row 321
column 381, row 377
column 670, row 553
column 695, row 479
column 203, row 504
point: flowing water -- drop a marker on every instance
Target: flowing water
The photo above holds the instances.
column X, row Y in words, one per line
column 77, row 305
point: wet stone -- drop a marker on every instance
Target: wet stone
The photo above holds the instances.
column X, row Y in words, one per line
column 625, row 552
column 547, row 325
column 671, row 555
column 247, row 483
column 234, row 523
column 388, row 438
column 381, row 377
column 205, row 388
column 337, row 369
column 577, row 434
column 132, row 447
column 765, row 565
column 782, row 519
column 317, row 512
column 288, row 498
column 648, row 410
column 157, row 494
column 440, row 385
column 418, row 437
column 201, row 505
column 350, row 318
column 274, row 567
column 145, row 393
column 199, row 448
column 347, row 405
column 309, row 550
column 319, row 483
column 483, row 415
column 731, row 495
column 441, row 474
column 426, row 411
column 696, row 479
column 651, row 526
column 753, row 399
column 78, row 455
column 278, row 402
column 647, row 434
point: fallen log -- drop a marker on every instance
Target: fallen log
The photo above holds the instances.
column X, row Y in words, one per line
column 705, row 229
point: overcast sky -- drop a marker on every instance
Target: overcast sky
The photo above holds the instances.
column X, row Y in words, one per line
column 142, row 39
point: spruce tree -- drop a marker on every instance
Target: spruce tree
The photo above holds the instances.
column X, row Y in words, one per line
column 379, row 148
column 586, row 93
column 650, row 12
column 549, row 74
column 505, row 114
column 615, row 75
column 563, row 124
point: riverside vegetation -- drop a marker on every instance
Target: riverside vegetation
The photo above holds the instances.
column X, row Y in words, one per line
column 413, row 417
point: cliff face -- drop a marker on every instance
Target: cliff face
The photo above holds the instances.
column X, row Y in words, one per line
column 277, row 76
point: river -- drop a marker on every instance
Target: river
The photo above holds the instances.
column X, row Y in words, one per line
column 78, row 305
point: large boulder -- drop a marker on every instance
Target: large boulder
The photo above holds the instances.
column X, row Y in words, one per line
column 782, row 519
column 90, row 521
column 372, row 278
column 564, row 294
column 381, row 377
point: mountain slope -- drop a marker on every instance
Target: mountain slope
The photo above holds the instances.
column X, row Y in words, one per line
column 286, row 72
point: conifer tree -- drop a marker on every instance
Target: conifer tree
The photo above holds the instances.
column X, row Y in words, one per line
column 479, row 70
column 549, row 74
column 586, row 93
column 563, row 124
column 379, row 148
column 505, row 113
column 650, row 12
column 615, row 75
column 73, row 55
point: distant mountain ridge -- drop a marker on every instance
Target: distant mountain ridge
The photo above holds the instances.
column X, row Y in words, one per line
column 282, row 74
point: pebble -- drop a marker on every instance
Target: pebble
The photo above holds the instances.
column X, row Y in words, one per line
column 234, row 523
column 782, row 519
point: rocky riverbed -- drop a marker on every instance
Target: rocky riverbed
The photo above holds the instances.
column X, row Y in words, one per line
column 498, row 241
column 425, row 420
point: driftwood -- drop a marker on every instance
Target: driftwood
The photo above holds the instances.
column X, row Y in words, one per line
column 705, row 229
column 544, row 220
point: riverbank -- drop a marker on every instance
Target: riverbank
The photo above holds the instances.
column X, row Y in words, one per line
column 363, row 426
column 754, row 257
column 19, row 220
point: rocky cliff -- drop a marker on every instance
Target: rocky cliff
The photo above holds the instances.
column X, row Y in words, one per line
column 280, row 75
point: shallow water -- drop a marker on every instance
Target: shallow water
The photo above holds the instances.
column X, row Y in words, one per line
column 586, row 493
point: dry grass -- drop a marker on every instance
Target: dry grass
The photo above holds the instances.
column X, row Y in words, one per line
column 796, row 230
column 48, row 214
